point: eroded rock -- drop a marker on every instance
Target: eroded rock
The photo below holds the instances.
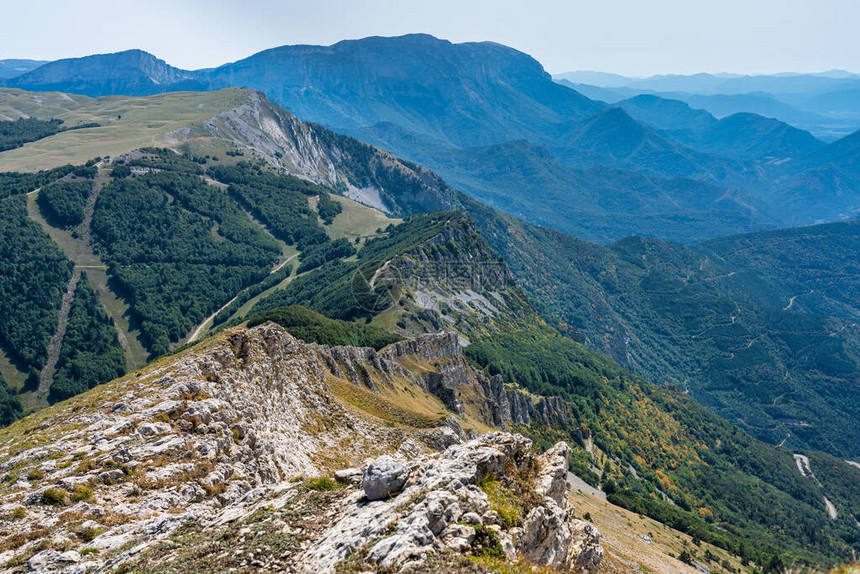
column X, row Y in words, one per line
column 384, row 477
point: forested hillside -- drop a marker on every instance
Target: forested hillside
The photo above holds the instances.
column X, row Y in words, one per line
column 724, row 331
column 33, row 276
column 91, row 353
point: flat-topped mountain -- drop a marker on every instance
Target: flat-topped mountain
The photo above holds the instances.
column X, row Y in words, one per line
column 463, row 94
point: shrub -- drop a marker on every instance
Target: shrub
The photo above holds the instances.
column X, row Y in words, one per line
column 82, row 492
column 322, row 483
column 35, row 474
column 54, row 496
column 88, row 534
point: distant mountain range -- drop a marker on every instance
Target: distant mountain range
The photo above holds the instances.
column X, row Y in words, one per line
column 826, row 103
column 14, row 68
column 133, row 72
column 493, row 122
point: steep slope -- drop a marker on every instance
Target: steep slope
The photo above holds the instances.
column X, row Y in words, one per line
column 257, row 412
column 524, row 350
column 130, row 73
column 823, row 186
column 609, row 203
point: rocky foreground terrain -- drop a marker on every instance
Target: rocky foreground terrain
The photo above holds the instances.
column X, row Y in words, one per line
column 255, row 452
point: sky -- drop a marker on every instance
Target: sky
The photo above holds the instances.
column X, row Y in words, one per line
column 631, row 37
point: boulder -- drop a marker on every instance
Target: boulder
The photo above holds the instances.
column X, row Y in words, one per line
column 384, row 477
column 349, row 476
column 44, row 561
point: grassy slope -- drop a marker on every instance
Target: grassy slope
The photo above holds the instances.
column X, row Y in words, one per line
column 126, row 123
column 357, row 220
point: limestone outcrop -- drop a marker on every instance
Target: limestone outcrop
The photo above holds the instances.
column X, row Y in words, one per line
column 243, row 423
column 445, row 506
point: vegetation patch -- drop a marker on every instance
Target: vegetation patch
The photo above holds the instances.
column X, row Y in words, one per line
column 313, row 327
column 377, row 406
column 512, row 496
column 323, row 483
column 63, row 203
column 91, row 353
column 23, row 130
column 54, row 497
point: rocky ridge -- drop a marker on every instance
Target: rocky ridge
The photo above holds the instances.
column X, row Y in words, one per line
column 240, row 423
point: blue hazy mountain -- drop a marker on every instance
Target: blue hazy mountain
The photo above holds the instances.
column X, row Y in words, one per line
column 826, row 103
column 12, row 68
column 466, row 94
column 741, row 135
column 130, row 73
column 444, row 105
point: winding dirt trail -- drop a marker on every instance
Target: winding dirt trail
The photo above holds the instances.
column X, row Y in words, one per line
column 46, row 378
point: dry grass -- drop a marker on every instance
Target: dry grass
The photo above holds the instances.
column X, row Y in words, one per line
column 126, row 123
column 399, row 407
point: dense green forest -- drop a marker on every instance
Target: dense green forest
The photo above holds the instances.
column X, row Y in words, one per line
column 251, row 292
column 16, row 183
column 728, row 488
column 63, row 203
column 10, row 405
column 279, row 201
column 177, row 249
column 317, row 255
column 91, row 353
column 314, row 327
column 16, row 133
column 33, row 277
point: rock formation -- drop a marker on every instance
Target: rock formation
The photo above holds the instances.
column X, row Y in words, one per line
column 209, row 438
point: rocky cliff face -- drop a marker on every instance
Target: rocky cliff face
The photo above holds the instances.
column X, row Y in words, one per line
column 444, row 372
column 202, row 442
column 367, row 174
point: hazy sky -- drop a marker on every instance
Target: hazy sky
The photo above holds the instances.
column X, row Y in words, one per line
column 634, row 37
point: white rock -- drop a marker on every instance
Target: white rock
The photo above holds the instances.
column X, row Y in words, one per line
column 384, row 477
